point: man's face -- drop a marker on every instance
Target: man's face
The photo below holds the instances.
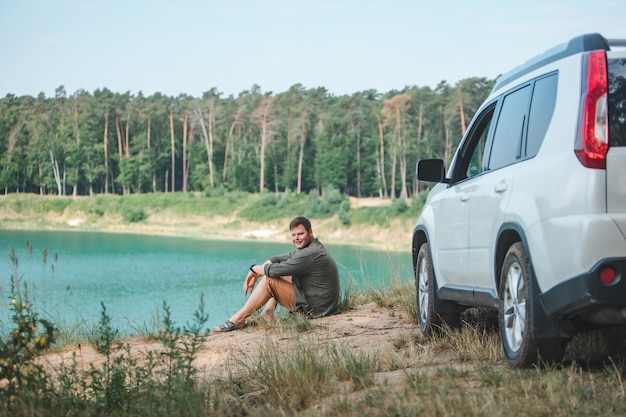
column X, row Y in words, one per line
column 300, row 237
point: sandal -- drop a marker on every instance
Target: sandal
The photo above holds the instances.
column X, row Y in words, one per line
column 227, row 326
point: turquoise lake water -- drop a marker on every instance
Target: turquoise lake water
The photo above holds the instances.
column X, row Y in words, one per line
column 133, row 275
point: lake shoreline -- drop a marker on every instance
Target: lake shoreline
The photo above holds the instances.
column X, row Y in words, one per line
column 219, row 228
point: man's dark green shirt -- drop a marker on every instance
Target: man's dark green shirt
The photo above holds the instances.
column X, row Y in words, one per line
column 315, row 278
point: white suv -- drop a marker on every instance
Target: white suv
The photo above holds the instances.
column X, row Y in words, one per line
column 530, row 218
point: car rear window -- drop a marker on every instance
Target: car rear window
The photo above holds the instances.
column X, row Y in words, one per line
column 523, row 121
column 541, row 110
column 506, row 148
column 617, row 101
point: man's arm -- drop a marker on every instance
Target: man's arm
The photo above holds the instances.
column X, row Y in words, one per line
column 300, row 262
column 255, row 272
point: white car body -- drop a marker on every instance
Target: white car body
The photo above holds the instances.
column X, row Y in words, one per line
column 569, row 218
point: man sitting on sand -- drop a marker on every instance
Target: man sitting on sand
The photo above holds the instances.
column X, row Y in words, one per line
column 305, row 280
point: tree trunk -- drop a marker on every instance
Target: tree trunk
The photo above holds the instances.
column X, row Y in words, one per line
column 171, row 118
column 56, row 172
column 229, row 140
column 301, row 152
column 41, row 188
column 264, row 140
column 401, row 152
column 210, row 149
column 208, row 143
column 262, row 154
column 77, row 139
column 106, row 152
column 447, row 146
column 127, row 136
column 420, row 127
column 462, row 113
column 358, row 160
column 120, row 147
column 394, row 163
column 185, row 172
column 381, row 136
column 149, row 144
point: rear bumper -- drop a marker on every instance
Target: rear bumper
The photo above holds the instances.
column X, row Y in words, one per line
column 586, row 293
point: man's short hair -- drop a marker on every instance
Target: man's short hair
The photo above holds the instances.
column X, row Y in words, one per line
column 299, row 220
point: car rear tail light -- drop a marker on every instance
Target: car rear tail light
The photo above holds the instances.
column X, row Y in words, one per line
column 607, row 275
column 593, row 140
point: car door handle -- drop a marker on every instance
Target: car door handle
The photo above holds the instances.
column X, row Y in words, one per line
column 500, row 187
column 465, row 197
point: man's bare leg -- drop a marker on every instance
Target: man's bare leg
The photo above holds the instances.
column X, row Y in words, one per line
column 260, row 295
column 270, row 307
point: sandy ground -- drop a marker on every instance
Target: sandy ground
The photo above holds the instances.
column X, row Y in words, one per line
column 368, row 328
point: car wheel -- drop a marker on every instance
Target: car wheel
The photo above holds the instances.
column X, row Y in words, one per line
column 520, row 347
column 425, row 283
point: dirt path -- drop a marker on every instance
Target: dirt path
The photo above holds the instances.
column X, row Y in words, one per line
column 368, row 328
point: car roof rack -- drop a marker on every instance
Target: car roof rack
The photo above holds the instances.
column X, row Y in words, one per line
column 582, row 43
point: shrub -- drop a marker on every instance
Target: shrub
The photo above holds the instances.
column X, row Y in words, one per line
column 285, row 200
column 399, row 206
column 344, row 207
column 25, row 382
column 332, row 195
column 134, row 215
column 268, row 199
column 219, row 191
column 57, row 204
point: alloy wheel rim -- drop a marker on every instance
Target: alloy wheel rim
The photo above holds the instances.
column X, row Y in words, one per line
column 423, row 282
column 514, row 307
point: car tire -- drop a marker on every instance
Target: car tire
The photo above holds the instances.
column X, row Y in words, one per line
column 515, row 316
column 430, row 322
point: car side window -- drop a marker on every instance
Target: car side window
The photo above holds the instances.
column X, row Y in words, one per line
column 617, row 101
column 476, row 162
column 471, row 157
column 541, row 109
column 506, row 147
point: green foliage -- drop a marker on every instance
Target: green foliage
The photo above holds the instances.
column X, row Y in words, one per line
column 259, row 207
column 268, row 199
column 398, row 207
column 218, row 191
column 357, row 367
column 285, row 200
column 303, row 369
column 270, row 206
column 134, row 215
column 318, row 140
column 28, row 203
column 22, row 378
column 344, row 208
column 381, row 215
column 165, row 384
column 55, row 204
column 298, row 322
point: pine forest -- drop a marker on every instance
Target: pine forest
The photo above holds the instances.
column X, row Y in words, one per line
column 364, row 145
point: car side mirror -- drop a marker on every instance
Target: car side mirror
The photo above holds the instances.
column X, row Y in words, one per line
column 431, row 170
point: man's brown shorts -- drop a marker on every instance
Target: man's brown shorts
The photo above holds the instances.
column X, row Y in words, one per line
column 282, row 291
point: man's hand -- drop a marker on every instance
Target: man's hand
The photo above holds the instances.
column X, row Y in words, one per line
column 248, row 285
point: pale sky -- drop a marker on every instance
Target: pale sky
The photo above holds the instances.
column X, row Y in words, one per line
column 347, row 46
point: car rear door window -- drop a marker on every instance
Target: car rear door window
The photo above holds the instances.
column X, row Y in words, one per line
column 541, row 109
column 507, row 142
column 617, row 101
